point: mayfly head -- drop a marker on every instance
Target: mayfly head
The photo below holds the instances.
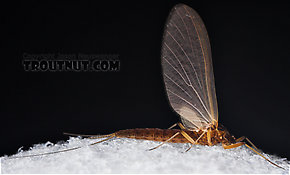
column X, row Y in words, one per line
column 224, row 135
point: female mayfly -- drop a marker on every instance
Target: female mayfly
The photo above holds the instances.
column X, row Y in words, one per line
column 189, row 81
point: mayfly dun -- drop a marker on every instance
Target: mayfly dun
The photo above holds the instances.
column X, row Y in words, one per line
column 189, row 81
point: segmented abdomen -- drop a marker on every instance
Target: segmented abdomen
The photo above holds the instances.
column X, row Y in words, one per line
column 160, row 135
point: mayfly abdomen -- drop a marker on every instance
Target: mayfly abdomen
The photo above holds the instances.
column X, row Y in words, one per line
column 159, row 135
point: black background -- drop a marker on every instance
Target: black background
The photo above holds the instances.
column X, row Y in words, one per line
column 250, row 48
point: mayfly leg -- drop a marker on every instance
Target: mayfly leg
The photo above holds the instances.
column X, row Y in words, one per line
column 248, row 140
column 193, row 142
column 196, row 141
column 177, row 124
column 263, row 156
column 186, row 135
column 253, row 149
column 165, row 141
column 256, row 150
column 180, row 125
column 183, row 133
column 235, row 145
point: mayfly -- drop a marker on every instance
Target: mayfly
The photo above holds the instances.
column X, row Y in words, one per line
column 189, row 81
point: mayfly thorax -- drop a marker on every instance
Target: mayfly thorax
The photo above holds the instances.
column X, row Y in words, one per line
column 189, row 82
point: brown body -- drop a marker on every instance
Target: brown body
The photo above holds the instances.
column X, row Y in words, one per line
column 162, row 135
column 211, row 136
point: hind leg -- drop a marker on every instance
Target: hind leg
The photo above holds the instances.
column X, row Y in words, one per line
column 183, row 133
column 195, row 141
column 165, row 141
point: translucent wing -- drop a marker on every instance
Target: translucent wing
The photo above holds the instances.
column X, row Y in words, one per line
column 187, row 68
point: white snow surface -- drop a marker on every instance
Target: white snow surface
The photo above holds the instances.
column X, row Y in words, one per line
column 132, row 156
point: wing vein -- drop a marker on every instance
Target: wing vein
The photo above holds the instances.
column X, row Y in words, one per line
column 189, row 104
column 202, row 50
column 179, row 64
column 177, row 57
column 187, row 75
column 191, row 48
column 178, row 30
column 177, row 85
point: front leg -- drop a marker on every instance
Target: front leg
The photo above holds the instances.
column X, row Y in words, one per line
column 233, row 145
column 253, row 149
column 248, row 140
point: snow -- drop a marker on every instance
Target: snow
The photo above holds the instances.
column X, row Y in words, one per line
column 132, row 156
